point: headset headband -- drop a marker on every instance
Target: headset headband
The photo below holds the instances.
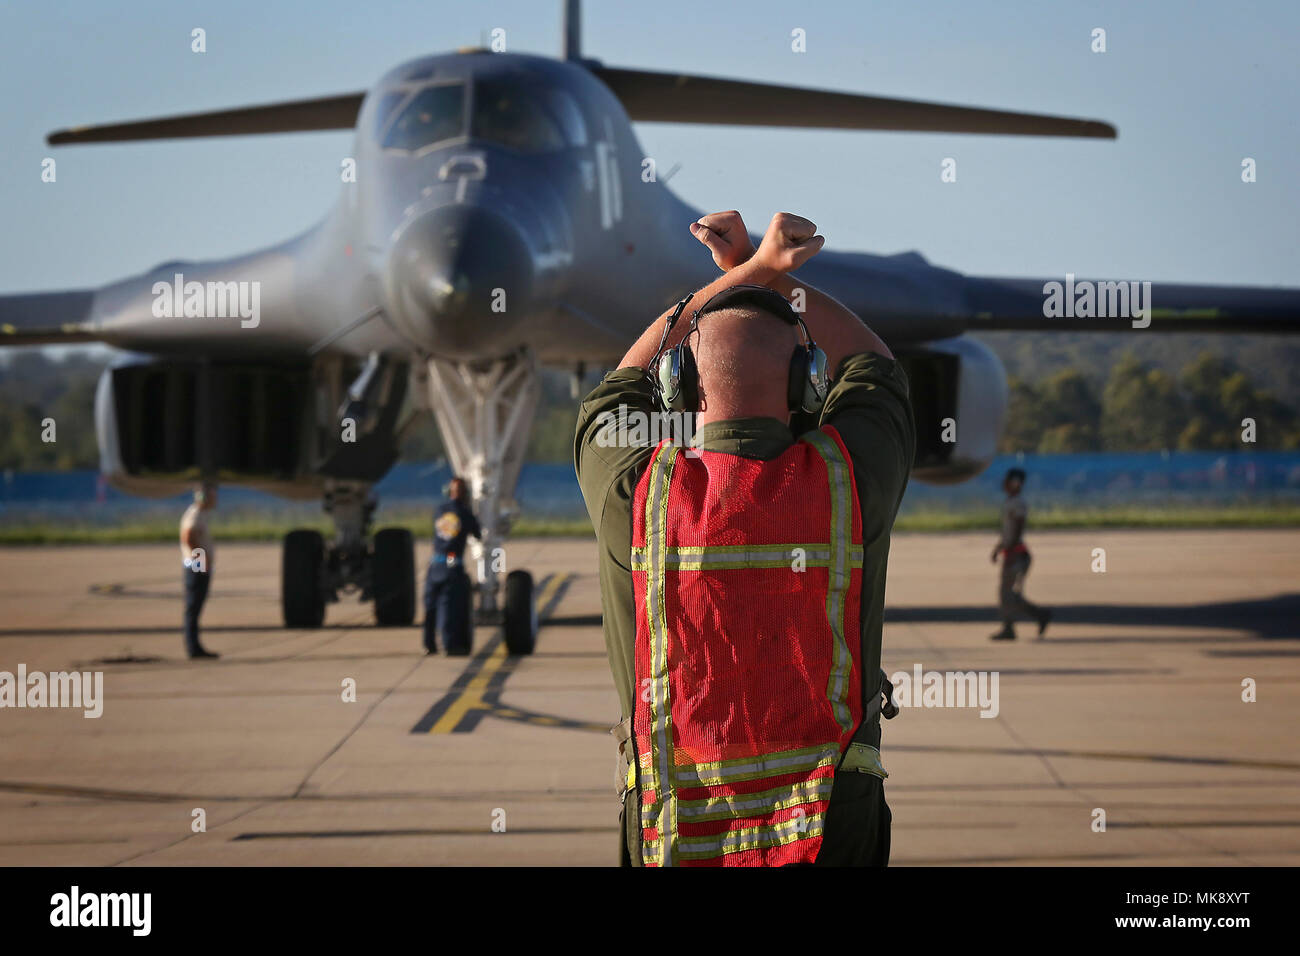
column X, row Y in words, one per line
column 757, row 296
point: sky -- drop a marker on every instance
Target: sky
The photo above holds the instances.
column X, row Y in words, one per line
column 1193, row 87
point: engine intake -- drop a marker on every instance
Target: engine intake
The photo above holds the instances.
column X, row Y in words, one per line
column 164, row 423
column 959, row 391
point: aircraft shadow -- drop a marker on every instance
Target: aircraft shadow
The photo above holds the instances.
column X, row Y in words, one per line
column 164, row 629
column 1270, row 618
column 575, row 620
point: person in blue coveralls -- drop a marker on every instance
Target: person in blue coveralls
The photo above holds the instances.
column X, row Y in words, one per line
column 447, row 590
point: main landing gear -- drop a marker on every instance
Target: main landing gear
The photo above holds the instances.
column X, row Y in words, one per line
column 485, row 412
column 380, row 567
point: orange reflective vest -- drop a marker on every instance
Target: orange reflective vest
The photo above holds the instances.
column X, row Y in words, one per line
column 747, row 580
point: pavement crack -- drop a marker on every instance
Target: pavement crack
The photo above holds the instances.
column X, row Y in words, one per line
column 348, row 736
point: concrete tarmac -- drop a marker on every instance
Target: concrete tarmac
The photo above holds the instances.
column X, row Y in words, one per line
column 1130, row 711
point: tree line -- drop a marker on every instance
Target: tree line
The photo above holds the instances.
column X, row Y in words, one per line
column 1210, row 404
column 1087, row 395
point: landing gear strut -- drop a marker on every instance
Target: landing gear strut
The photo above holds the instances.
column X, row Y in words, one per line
column 485, row 414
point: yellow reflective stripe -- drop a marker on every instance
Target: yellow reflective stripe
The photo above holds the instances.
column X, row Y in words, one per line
column 661, row 735
column 696, row 564
column 721, row 548
column 837, row 475
column 756, row 804
column 641, row 552
column 803, row 827
column 752, row 768
column 808, row 756
column 697, row 558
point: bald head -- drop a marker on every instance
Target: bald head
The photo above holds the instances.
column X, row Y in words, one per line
column 743, row 357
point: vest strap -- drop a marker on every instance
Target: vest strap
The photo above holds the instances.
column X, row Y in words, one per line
column 622, row 733
column 862, row 758
column 879, row 703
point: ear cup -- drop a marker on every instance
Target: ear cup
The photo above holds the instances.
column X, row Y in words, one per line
column 677, row 380
column 808, row 384
column 666, row 380
column 817, row 383
column 689, row 385
column 798, row 380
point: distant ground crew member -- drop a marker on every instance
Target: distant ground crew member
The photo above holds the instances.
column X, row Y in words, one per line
column 447, row 591
column 1015, row 562
column 742, row 578
column 197, row 554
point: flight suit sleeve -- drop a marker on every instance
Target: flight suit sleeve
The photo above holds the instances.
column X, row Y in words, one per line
column 868, row 405
column 609, row 455
column 607, row 447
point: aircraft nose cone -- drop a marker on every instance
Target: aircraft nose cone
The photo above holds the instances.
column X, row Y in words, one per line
column 460, row 276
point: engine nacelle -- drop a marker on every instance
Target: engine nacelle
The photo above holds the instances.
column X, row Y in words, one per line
column 959, row 391
column 164, row 423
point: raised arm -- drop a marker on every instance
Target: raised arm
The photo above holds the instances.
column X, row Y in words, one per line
column 834, row 327
column 724, row 234
column 642, row 352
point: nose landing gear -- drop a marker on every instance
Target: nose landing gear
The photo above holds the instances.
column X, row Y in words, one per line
column 520, row 613
column 485, row 413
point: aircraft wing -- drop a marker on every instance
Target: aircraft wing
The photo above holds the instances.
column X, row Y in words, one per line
column 47, row 318
column 906, row 299
column 653, row 97
column 998, row 304
column 295, row 116
column 273, row 301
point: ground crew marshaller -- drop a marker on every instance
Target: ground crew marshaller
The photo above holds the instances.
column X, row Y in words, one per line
column 197, row 554
column 1015, row 562
column 742, row 578
column 447, row 591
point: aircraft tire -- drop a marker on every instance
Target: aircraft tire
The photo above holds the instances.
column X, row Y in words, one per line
column 520, row 613
column 392, row 577
column 301, row 597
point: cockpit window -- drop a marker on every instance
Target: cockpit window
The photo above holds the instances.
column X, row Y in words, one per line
column 434, row 114
column 384, row 109
column 569, row 116
column 529, row 120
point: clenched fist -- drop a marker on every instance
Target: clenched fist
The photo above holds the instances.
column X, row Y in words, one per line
column 725, row 235
column 790, row 241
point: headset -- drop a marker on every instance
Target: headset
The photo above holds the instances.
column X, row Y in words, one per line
column 675, row 376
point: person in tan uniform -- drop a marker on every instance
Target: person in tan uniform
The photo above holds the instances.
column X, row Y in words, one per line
column 197, row 554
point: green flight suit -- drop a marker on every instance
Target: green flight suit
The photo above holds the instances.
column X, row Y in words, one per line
column 868, row 404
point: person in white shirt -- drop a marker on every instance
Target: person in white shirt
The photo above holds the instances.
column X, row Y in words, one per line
column 1015, row 562
column 197, row 554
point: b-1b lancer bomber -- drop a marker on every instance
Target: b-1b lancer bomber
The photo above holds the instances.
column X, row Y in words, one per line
column 499, row 221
